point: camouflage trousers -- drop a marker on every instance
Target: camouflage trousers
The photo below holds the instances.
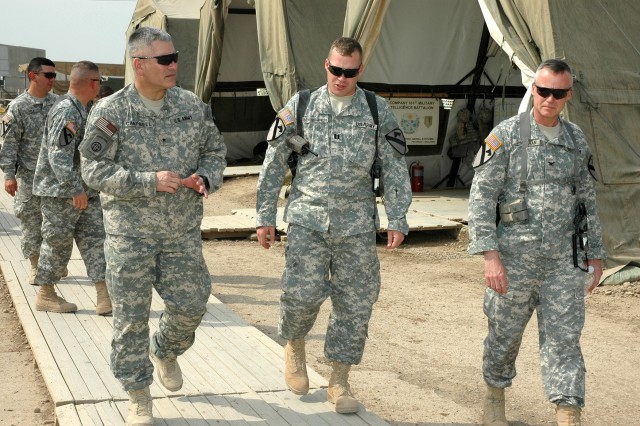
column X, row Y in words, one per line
column 347, row 270
column 173, row 266
column 26, row 207
column 554, row 288
column 61, row 225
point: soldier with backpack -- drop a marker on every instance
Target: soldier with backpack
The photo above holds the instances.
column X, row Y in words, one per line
column 346, row 141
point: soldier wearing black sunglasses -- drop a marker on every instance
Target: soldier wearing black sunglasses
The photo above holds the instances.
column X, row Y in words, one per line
column 332, row 214
column 22, row 128
column 154, row 152
column 535, row 167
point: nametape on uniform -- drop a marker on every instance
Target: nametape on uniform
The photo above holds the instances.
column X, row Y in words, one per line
column 277, row 128
column 286, row 117
column 395, row 138
column 372, row 126
column 106, row 126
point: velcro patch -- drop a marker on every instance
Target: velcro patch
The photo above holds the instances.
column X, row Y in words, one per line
column 366, row 125
column 493, row 142
column 277, row 129
column 397, row 141
column 71, row 126
column 5, row 123
column 485, row 153
column 106, row 126
column 286, row 117
column 66, row 136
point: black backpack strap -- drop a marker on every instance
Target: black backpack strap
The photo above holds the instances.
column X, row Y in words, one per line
column 303, row 103
column 373, row 107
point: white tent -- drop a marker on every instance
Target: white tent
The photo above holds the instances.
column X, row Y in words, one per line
column 423, row 53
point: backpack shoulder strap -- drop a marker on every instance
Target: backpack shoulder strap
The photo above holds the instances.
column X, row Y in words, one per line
column 303, row 103
column 373, row 107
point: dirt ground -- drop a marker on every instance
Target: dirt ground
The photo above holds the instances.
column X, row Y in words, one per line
column 422, row 363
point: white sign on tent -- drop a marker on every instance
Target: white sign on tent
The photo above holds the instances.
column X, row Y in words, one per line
column 418, row 119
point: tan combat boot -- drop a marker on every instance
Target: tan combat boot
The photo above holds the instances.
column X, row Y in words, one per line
column 140, row 408
column 103, row 303
column 169, row 372
column 48, row 300
column 295, row 367
column 568, row 415
column 34, row 267
column 493, row 410
column 339, row 391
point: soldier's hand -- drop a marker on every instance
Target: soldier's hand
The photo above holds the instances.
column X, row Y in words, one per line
column 168, row 182
column 495, row 274
column 80, row 201
column 264, row 232
column 597, row 272
column 11, row 186
column 196, row 183
column 394, row 239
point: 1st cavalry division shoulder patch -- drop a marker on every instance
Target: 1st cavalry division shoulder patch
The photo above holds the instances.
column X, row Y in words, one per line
column 491, row 145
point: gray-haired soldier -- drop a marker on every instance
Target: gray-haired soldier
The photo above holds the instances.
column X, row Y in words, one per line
column 331, row 211
column 21, row 127
column 153, row 150
column 70, row 210
column 536, row 166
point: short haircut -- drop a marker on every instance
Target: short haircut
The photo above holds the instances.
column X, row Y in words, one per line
column 556, row 66
column 143, row 37
column 83, row 69
column 346, row 46
column 35, row 65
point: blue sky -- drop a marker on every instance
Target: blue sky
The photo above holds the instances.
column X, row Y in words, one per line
column 69, row 30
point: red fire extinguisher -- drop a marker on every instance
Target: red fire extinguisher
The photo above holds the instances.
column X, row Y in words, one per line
column 417, row 177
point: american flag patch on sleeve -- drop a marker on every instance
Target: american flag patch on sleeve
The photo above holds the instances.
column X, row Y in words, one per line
column 286, row 117
column 106, row 126
column 493, row 142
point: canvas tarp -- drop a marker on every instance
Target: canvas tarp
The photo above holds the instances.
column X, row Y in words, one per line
column 182, row 20
column 606, row 98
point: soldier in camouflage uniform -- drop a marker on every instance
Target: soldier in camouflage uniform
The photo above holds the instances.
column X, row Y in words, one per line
column 528, row 257
column 70, row 210
column 331, row 211
column 22, row 128
column 153, row 150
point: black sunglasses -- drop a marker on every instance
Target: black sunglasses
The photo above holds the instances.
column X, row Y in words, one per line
column 162, row 59
column 545, row 92
column 49, row 75
column 348, row 72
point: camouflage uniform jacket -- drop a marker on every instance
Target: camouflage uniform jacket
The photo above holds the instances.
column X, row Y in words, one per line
column 126, row 144
column 333, row 191
column 58, row 169
column 23, row 122
column 551, row 205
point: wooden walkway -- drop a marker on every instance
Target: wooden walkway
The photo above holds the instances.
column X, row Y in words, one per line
column 233, row 374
